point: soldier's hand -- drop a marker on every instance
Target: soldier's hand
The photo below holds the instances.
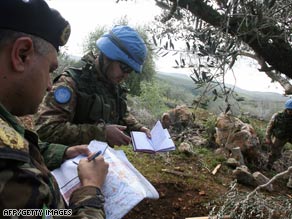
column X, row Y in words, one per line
column 115, row 135
column 146, row 130
column 92, row 173
column 76, row 150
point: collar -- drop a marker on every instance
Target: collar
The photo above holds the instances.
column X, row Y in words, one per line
column 11, row 120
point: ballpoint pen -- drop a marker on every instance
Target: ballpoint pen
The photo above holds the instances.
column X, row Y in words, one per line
column 93, row 157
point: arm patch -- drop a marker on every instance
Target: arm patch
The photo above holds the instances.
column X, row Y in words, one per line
column 62, row 95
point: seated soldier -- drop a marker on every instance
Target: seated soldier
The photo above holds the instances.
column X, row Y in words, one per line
column 30, row 36
column 90, row 103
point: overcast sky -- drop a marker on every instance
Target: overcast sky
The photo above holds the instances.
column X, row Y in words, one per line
column 85, row 15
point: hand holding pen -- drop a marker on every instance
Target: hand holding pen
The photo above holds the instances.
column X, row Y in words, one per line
column 90, row 158
column 94, row 156
column 93, row 170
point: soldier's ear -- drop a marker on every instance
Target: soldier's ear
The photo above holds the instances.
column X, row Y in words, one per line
column 21, row 52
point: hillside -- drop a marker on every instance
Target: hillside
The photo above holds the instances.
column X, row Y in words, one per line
column 187, row 187
column 257, row 104
column 186, row 82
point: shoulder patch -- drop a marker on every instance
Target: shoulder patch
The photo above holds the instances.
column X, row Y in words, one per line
column 11, row 138
column 62, row 94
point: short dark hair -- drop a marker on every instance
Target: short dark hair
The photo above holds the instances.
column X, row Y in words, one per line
column 41, row 46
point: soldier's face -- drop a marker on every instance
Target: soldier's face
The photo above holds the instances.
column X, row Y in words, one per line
column 28, row 77
column 38, row 79
column 115, row 73
column 289, row 111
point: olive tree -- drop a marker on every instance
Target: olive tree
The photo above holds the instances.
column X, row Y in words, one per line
column 217, row 32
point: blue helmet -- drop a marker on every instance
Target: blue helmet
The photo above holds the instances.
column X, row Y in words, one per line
column 288, row 104
column 124, row 44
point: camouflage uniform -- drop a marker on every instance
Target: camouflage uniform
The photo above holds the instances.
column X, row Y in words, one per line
column 279, row 128
column 93, row 103
column 25, row 181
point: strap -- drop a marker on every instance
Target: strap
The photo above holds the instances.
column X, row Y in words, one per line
column 119, row 44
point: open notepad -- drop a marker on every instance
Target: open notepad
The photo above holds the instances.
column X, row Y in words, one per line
column 124, row 186
column 160, row 140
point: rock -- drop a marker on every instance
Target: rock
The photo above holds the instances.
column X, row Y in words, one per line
column 244, row 177
column 222, row 151
column 178, row 118
column 198, row 140
column 237, row 155
column 231, row 133
column 185, row 148
column 232, row 162
column 262, row 179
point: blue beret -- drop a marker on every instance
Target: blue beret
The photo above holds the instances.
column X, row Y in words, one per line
column 35, row 17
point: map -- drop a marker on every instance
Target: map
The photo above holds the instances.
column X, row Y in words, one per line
column 124, row 186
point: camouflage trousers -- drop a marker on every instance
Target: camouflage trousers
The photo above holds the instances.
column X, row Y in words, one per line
column 276, row 150
column 276, row 153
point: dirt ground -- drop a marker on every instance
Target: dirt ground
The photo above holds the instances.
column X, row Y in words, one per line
column 183, row 192
column 186, row 187
column 175, row 201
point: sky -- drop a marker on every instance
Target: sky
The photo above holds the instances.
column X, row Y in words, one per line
column 85, row 15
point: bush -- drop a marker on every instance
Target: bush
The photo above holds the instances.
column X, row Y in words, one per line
column 152, row 99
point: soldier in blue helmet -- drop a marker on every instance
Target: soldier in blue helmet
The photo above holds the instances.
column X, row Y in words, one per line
column 30, row 36
column 89, row 102
column 279, row 132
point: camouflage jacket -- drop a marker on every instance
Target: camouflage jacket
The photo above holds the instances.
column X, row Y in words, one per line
column 93, row 102
column 25, row 181
column 280, row 126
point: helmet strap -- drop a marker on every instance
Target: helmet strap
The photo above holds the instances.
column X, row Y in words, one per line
column 100, row 61
column 122, row 47
column 102, row 65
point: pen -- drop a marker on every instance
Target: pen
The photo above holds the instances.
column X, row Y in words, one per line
column 95, row 155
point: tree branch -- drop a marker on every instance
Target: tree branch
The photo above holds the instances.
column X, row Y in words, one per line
column 268, row 41
column 285, row 83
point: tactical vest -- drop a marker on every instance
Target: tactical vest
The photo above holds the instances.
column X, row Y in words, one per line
column 282, row 126
column 96, row 100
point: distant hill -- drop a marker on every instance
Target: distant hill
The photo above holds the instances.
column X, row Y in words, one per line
column 261, row 95
column 180, row 80
column 258, row 104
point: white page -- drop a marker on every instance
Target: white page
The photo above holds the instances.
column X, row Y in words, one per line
column 67, row 182
column 167, row 133
column 166, row 145
column 141, row 141
column 157, row 134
